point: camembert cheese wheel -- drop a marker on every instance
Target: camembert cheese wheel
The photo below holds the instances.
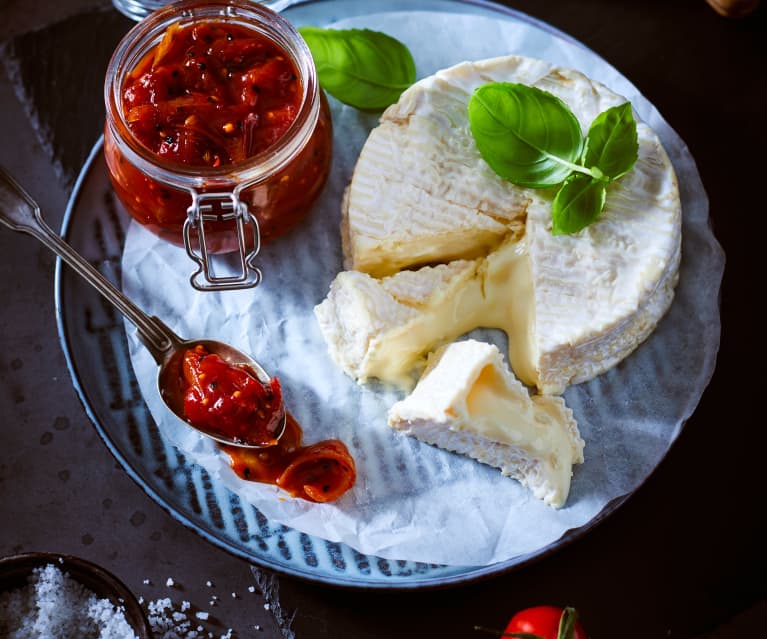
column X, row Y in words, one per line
column 436, row 243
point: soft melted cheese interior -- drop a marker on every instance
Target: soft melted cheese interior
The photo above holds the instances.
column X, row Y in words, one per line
column 492, row 292
column 492, row 411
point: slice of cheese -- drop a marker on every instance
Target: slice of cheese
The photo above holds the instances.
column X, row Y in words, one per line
column 468, row 402
column 573, row 306
column 383, row 329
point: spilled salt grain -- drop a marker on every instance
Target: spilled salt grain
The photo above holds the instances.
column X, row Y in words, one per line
column 54, row 606
column 169, row 623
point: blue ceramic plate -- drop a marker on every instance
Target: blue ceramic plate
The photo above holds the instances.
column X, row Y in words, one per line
column 94, row 341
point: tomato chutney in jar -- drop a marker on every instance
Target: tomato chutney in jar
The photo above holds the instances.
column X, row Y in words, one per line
column 217, row 136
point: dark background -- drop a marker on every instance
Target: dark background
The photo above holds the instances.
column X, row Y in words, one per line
column 683, row 558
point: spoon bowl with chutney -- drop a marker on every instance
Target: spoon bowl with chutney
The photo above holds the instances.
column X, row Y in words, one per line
column 211, row 386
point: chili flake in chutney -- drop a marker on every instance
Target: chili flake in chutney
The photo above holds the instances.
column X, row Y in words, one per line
column 214, row 98
column 230, row 400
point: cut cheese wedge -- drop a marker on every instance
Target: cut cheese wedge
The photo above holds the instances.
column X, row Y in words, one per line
column 469, row 402
column 385, row 328
column 420, row 192
column 573, row 306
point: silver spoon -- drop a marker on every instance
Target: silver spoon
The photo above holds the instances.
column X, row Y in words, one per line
column 19, row 212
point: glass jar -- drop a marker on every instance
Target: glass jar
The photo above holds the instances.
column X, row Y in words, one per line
column 237, row 203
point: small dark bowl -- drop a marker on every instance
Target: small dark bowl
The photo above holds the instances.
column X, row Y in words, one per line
column 15, row 569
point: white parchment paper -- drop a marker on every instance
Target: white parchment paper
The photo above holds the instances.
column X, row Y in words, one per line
column 413, row 501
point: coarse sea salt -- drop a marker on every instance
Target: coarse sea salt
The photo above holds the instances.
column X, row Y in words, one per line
column 55, row 606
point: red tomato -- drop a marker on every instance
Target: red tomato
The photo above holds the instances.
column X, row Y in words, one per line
column 543, row 622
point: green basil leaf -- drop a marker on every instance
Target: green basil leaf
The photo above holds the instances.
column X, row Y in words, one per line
column 365, row 69
column 577, row 204
column 528, row 136
column 611, row 144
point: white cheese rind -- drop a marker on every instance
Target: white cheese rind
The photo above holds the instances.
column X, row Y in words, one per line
column 468, row 402
column 601, row 292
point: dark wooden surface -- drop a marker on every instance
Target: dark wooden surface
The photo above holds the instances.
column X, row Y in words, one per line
column 683, row 558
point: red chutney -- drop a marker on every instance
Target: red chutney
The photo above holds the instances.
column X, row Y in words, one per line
column 229, row 400
column 211, row 94
column 320, row 472
column 214, row 94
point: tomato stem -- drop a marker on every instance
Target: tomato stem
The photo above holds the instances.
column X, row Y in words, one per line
column 567, row 623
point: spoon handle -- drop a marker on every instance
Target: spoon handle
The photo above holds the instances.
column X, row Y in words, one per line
column 19, row 212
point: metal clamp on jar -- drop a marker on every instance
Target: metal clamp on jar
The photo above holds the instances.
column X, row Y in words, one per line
column 217, row 136
column 218, row 209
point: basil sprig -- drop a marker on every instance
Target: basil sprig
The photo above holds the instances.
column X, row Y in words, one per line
column 531, row 138
column 365, row 69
